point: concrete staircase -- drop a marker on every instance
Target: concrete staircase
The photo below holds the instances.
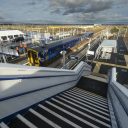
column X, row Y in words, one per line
column 74, row 108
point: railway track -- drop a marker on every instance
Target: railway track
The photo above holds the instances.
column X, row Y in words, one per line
column 80, row 53
column 71, row 64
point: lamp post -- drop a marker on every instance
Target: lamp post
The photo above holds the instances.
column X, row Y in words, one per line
column 63, row 53
column 4, row 58
column 125, row 32
column 118, row 34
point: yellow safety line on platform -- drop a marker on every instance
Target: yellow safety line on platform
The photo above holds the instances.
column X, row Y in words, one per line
column 113, row 65
column 126, row 59
column 97, row 68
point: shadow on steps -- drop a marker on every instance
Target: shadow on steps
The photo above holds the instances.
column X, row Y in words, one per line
column 94, row 86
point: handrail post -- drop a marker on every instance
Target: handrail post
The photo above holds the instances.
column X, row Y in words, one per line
column 114, row 73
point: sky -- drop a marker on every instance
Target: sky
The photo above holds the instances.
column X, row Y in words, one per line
column 64, row 11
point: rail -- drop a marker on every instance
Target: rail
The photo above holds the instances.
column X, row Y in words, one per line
column 24, row 86
column 118, row 96
column 71, row 64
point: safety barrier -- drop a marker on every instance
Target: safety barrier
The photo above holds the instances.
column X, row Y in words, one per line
column 118, row 98
column 24, row 86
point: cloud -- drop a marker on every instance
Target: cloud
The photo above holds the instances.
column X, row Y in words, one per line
column 100, row 17
column 33, row 2
column 82, row 6
column 2, row 15
column 91, row 11
column 63, row 11
column 2, row 18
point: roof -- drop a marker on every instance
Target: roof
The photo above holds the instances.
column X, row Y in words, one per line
column 59, row 42
column 109, row 43
column 10, row 32
column 63, row 41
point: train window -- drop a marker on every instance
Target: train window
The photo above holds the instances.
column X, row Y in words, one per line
column 10, row 37
column 15, row 35
column 34, row 56
column 41, row 54
column 19, row 39
column 4, row 37
column 49, row 52
column 21, row 35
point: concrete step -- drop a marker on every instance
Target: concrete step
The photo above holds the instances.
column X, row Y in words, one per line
column 74, row 108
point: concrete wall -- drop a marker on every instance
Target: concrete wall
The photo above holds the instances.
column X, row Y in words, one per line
column 23, row 86
column 118, row 96
column 95, row 86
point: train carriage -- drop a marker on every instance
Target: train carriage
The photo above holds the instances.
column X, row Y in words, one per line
column 40, row 56
column 37, row 56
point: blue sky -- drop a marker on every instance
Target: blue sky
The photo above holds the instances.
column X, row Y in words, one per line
column 64, row 11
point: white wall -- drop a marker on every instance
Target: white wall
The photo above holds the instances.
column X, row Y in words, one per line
column 51, row 77
column 118, row 96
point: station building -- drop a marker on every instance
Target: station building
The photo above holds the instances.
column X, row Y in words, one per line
column 109, row 46
column 7, row 35
column 106, row 48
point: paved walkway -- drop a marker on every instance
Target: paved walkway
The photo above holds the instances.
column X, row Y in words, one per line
column 97, row 67
column 126, row 59
column 126, row 42
column 113, row 65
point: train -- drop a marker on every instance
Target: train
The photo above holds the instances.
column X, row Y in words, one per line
column 42, row 55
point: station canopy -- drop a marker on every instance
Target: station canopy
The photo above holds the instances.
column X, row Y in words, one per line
column 109, row 46
column 109, row 43
column 10, row 32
